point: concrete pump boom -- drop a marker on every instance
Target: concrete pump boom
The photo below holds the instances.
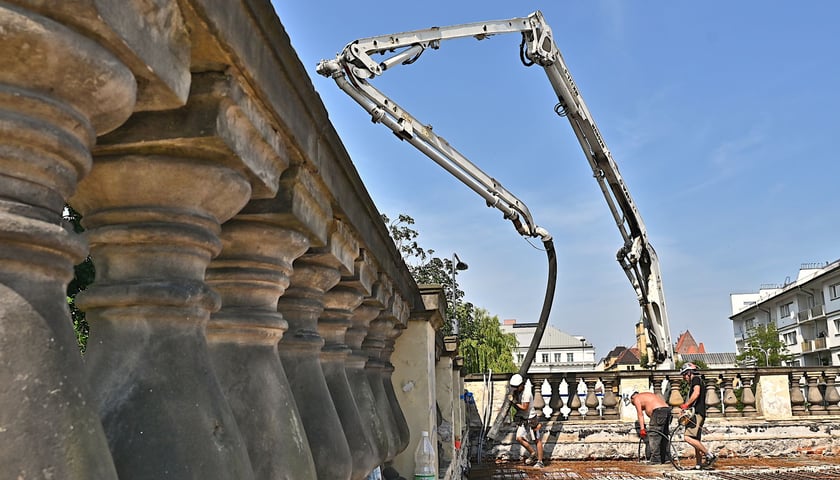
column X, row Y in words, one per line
column 354, row 66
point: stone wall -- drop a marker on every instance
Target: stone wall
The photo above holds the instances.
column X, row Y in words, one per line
column 248, row 297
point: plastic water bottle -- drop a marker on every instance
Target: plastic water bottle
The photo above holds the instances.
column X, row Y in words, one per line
column 425, row 465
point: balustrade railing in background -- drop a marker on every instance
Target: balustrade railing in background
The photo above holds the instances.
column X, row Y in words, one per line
column 730, row 393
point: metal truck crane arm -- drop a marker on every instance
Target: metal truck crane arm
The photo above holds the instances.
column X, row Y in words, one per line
column 354, row 66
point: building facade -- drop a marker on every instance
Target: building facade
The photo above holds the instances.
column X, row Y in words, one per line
column 558, row 351
column 806, row 311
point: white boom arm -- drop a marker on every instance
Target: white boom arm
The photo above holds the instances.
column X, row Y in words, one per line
column 354, row 66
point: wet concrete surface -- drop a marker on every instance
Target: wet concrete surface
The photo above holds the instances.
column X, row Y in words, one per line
column 794, row 468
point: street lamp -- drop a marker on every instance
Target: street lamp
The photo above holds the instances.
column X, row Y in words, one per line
column 766, row 355
column 582, row 353
column 457, row 265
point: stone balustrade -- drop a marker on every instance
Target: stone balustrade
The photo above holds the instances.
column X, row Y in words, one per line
column 250, row 314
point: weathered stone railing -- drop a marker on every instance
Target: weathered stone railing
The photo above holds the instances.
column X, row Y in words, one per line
column 248, row 307
column 742, row 404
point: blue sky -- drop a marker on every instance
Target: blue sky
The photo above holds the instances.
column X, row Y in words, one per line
column 722, row 117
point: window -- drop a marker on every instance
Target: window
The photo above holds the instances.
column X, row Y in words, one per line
column 749, row 324
column 834, row 291
column 544, row 358
column 790, row 338
column 784, row 310
column 570, row 357
column 558, row 357
column 521, row 358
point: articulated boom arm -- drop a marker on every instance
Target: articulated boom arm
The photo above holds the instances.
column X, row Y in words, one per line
column 354, row 66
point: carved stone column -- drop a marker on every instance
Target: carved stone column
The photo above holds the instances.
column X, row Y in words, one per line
column 747, row 396
column 610, row 400
column 152, row 205
column 831, row 396
column 251, row 273
column 556, row 402
column 730, row 401
column 713, row 404
column 356, row 360
column 373, row 345
column 300, row 353
column 339, row 304
column 58, row 89
column 675, row 398
column 797, row 400
column 591, row 400
column 815, row 398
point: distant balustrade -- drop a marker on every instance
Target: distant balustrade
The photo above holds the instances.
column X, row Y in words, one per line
column 730, row 393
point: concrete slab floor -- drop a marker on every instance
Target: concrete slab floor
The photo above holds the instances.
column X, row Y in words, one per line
column 794, row 468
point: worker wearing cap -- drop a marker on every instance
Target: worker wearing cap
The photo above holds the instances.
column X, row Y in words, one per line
column 697, row 402
column 522, row 400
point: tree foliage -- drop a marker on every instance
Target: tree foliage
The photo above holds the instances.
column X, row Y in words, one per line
column 764, row 347
column 425, row 268
column 483, row 345
column 83, row 276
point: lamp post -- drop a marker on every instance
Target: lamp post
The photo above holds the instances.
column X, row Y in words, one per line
column 766, row 355
column 582, row 353
column 457, row 265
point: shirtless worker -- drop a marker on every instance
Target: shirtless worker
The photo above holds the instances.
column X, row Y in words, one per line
column 659, row 412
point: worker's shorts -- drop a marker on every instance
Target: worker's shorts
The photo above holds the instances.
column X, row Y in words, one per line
column 529, row 429
column 694, row 429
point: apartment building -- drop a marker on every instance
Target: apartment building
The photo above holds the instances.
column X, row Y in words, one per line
column 806, row 311
column 558, row 351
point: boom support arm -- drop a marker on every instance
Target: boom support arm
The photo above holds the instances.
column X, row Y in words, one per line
column 354, row 66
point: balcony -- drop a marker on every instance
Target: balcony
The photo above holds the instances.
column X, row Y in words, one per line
column 814, row 313
column 807, row 346
column 819, row 343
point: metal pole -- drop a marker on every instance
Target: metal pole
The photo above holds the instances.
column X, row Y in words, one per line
column 457, row 264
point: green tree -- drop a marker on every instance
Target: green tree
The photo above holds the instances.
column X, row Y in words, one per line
column 764, row 347
column 426, row 268
column 485, row 347
column 83, row 276
column 483, row 344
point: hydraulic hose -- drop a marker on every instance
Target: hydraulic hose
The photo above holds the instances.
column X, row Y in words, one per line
column 538, row 334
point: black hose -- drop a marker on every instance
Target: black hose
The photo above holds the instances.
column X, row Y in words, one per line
column 538, row 334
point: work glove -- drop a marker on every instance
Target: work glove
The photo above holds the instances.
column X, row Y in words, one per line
column 643, row 433
column 684, row 406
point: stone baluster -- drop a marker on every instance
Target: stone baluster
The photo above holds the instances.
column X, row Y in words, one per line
column 657, row 382
column 831, row 396
column 556, row 402
column 747, row 395
column 591, row 401
column 355, row 363
column 730, row 401
column 675, row 399
column 339, row 304
column 159, row 189
column 573, row 400
column 373, row 345
column 280, row 228
column 610, row 400
column 713, row 403
column 300, row 353
column 396, row 409
column 815, row 397
column 797, row 400
column 252, row 272
column 58, row 89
